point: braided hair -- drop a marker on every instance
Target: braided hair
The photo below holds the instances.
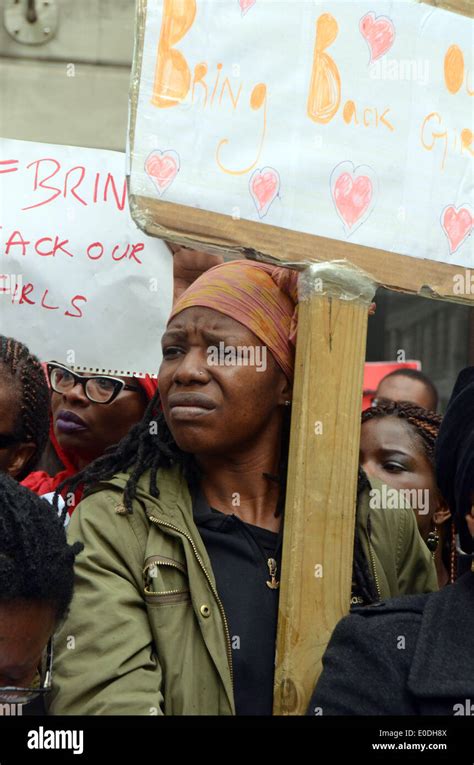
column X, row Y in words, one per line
column 36, row 563
column 426, row 424
column 27, row 376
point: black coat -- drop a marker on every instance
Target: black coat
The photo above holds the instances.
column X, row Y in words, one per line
column 407, row 656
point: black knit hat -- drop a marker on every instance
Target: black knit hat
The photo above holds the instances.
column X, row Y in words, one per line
column 455, row 454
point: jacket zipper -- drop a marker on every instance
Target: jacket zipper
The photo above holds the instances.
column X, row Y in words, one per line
column 374, row 570
column 219, row 602
column 153, row 563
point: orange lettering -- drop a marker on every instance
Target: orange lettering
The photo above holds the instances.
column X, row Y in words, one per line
column 364, row 119
column 172, row 73
column 258, row 98
column 200, row 71
column 325, row 87
column 453, row 68
column 381, row 119
column 466, row 140
column 349, row 112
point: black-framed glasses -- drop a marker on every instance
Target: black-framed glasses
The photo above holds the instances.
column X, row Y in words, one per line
column 11, row 694
column 100, row 389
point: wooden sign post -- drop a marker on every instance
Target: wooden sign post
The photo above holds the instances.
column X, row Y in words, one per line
column 353, row 144
column 319, row 517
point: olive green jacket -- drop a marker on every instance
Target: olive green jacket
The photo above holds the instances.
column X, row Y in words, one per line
column 147, row 633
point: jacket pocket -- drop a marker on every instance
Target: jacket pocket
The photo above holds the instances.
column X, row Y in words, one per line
column 165, row 581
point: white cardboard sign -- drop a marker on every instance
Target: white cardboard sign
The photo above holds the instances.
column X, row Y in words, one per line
column 348, row 120
column 79, row 282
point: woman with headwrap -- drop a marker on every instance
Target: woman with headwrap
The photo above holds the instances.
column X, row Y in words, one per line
column 413, row 655
column 178, row 590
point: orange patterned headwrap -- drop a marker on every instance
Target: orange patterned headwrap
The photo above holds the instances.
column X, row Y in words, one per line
column 261, row 297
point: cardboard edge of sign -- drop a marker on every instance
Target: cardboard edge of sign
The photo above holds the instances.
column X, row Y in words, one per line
column 464, row 7
column 215, row 232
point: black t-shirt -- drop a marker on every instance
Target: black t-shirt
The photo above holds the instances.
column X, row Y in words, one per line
column 240, row 553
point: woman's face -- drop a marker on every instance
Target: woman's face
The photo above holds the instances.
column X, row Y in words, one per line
column 392, row 451
column 213, row 408
column 12, row 458
column 25, row 628
column 85, row 429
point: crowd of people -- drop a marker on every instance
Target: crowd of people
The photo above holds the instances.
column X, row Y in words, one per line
column 141, row 525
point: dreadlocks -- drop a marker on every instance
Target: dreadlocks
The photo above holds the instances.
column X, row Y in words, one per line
column 36, row 563
column 150, row 446
column 27, row 375
column 425, row 423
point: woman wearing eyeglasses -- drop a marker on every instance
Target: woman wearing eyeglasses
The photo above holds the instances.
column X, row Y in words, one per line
column 89, row 414
column 36, row 584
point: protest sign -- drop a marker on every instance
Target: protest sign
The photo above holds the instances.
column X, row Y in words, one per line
column 332, row 136
column 326, row 131
column 79, row 282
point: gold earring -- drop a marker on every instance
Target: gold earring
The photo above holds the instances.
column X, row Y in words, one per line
column 432, row 541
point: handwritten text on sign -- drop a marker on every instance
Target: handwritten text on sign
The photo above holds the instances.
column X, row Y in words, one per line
column 328, row 118
column 79, row 282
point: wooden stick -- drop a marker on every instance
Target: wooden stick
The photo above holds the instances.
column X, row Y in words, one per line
column 322, row 481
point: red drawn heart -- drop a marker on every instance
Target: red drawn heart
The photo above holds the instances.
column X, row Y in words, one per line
column 264, row 186
column 246, row 5
column 379, row 33
column 352, row 197
column 162, row 167
column 457, row 225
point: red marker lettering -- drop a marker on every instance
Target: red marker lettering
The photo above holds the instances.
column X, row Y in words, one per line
column 20, row 243
column 59, row 245
column 137, row 248
column 73, row 190
column 111, row 183
column 95, row 257
column 41, row 184
column 96, row 186
column 120, row 257
column 25, row 291
column 44, row 239
column 43, row 303
column 77, row 315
